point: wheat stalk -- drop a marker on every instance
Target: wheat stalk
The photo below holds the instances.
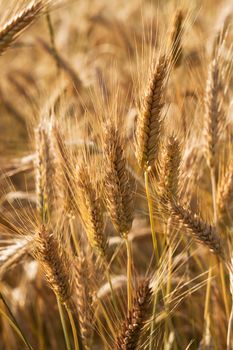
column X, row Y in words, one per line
column 225, row 197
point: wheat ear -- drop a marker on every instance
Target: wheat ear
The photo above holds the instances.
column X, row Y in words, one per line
column 91, row 211
column 201, row 231
column 176, row 39
column 169, row 177
column 84, row 300
column 213, row 113
column 118, row 184
column 133, row 325
column 149, row 121
column 12, row 29
column 57, row 265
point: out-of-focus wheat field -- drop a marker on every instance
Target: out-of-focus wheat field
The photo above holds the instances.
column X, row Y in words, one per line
column 116, row 174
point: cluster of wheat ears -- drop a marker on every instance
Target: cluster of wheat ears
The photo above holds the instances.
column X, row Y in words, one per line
column 116, row 179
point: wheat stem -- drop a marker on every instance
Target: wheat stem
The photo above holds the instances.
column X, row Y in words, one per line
column 229, row 330
column 150, row 207
column 12, row 320
column 223, row 282
column 108, row 276
column 224, row 289
column 74, row 331
column 129, row 272
column 64, row 327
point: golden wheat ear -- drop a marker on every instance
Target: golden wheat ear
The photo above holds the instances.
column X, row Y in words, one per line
column 176, row 39
column 91, row 211
column 57, row 265
column 118, row 183
column 149, row 123
column 84, row 300
column 201, row 231
column 132, row 327
column 214, row 116
column 169, row 176
column 14, row 27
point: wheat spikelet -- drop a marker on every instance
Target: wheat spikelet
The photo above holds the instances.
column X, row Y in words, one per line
column 84, row 300
column 91, row 211
column 213, row 114
column 203, row 232
column 169, row 178
column 132, row 326
column 176, row 39
column 12, row 29
column 119, row 187
column 57, row 264
column 149, row 122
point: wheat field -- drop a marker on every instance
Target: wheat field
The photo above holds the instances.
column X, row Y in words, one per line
column 116, row 174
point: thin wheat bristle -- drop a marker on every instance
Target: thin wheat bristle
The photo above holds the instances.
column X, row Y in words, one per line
column 57, row 265
column 176, row 39
column 149, row 123
column 118, row 184
column 201, row 231
column 84, row 300
column 91, row 211
column 132, row 326
column 213, row 113
column 11, row 30
column 169, row 178
column 14, row 254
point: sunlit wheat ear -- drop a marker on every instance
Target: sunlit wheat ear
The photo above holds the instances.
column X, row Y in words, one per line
column 57, row 264
column 67, row 170
column 12, row 29
column 213, row 113
column 149, row 123
column 201, row 231
column 118, row 183
column 84, row 300
column 40, row 169
column 91, row 211
column 225, row 198
column 131, row 329
column 47, row 174
column 176, row 39
column 169, row 177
